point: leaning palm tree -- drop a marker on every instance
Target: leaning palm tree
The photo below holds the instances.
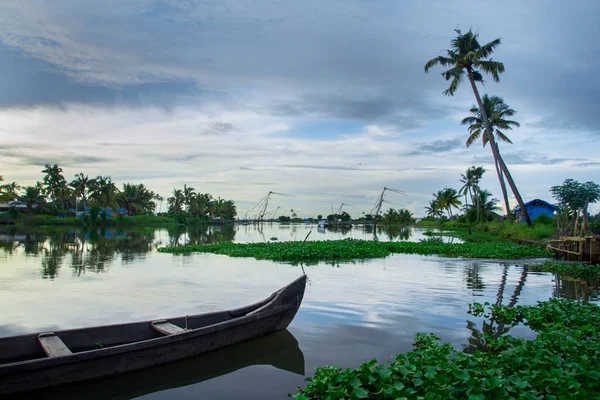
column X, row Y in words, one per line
column 467, row 58
column 497, row 112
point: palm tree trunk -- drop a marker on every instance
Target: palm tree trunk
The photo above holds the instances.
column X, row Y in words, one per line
column 495, row 151
column 503, row 186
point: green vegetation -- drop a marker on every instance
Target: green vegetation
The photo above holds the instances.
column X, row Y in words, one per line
column 400, row 216
column 574, row 198
column 50, row 220
column 560, row 363
column 348, row 249
column 55, row 201
column 543, row 228
column 573, row 270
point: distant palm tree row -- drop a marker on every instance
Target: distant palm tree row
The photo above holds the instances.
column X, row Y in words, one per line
column 482, row 206
column 54, row 194
column 197, row 205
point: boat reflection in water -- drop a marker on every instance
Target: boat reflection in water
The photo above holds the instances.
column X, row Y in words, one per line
column 279, row 350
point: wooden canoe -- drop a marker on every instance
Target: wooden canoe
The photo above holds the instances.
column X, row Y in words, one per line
column 46, row 359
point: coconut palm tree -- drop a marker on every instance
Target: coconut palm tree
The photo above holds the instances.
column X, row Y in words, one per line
column 189, row 195
column 104, row 192
column 176, row 202
column 497, row 112
column 9, row 192
column 159, row 198
column 487, row 205
column 448, row 198
column 434, row 209
column 32, row 197
column 53, row 180
column 468, row 58
column 81, row 186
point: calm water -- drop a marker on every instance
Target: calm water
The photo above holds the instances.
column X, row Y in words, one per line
column 352, row 312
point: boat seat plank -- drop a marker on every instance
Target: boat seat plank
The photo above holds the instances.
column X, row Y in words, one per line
column 53, row 346
column 166, row 328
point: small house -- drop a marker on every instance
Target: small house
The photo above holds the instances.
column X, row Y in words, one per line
column 534, row 208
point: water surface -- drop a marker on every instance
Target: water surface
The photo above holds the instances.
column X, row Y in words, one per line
column 352, row 312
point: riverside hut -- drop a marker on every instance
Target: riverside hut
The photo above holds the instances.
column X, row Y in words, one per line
column 534, row 208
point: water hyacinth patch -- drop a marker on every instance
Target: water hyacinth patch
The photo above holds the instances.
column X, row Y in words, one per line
column 560, row 363
column 348, row 249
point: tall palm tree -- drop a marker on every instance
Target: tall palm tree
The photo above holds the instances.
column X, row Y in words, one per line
column 81, row 186
column 189, row 195
column 497, row 112
column 159, row 198
column 447, row 199
column 468, row 57
column 53, row 180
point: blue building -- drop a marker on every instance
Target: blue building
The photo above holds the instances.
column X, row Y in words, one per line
column 534, row 208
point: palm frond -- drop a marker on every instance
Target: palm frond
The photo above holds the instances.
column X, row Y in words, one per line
column 456, row 75
column 441, row 60
column 473, row 137
column 470, row 120
column 500, row 135
column 494, row 68
column 487, row 49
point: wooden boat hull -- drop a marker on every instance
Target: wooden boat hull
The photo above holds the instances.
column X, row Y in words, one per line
column 130, row 347
column 279, row 349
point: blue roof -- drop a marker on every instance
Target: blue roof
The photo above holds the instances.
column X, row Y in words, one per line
column 537, row 202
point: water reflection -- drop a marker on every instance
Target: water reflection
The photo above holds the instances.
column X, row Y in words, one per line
column 491, row 330
column 280, row 350
column 576, row 289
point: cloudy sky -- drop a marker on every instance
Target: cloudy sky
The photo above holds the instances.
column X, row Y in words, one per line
column 326, row 100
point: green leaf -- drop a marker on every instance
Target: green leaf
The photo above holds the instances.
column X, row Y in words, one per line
column 300, row 397
column 360, row 393
column 398, row 386
column 431, row 371
column 355, row 382
column 417, row 382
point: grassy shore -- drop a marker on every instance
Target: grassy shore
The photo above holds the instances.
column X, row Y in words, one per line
column 138, row 220
column 50, row 220
column 350, row 249
column 494, row 231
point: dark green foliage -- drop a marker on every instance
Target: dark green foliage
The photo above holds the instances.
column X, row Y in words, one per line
column 560, row 363
column 332, row 250
column 574, row 270
column 398, row 217
column 543, row 219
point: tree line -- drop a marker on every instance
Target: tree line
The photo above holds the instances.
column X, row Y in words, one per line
column 55, row 195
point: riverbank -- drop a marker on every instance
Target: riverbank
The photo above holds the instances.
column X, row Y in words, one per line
column 351, row 249
column 492, row 231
